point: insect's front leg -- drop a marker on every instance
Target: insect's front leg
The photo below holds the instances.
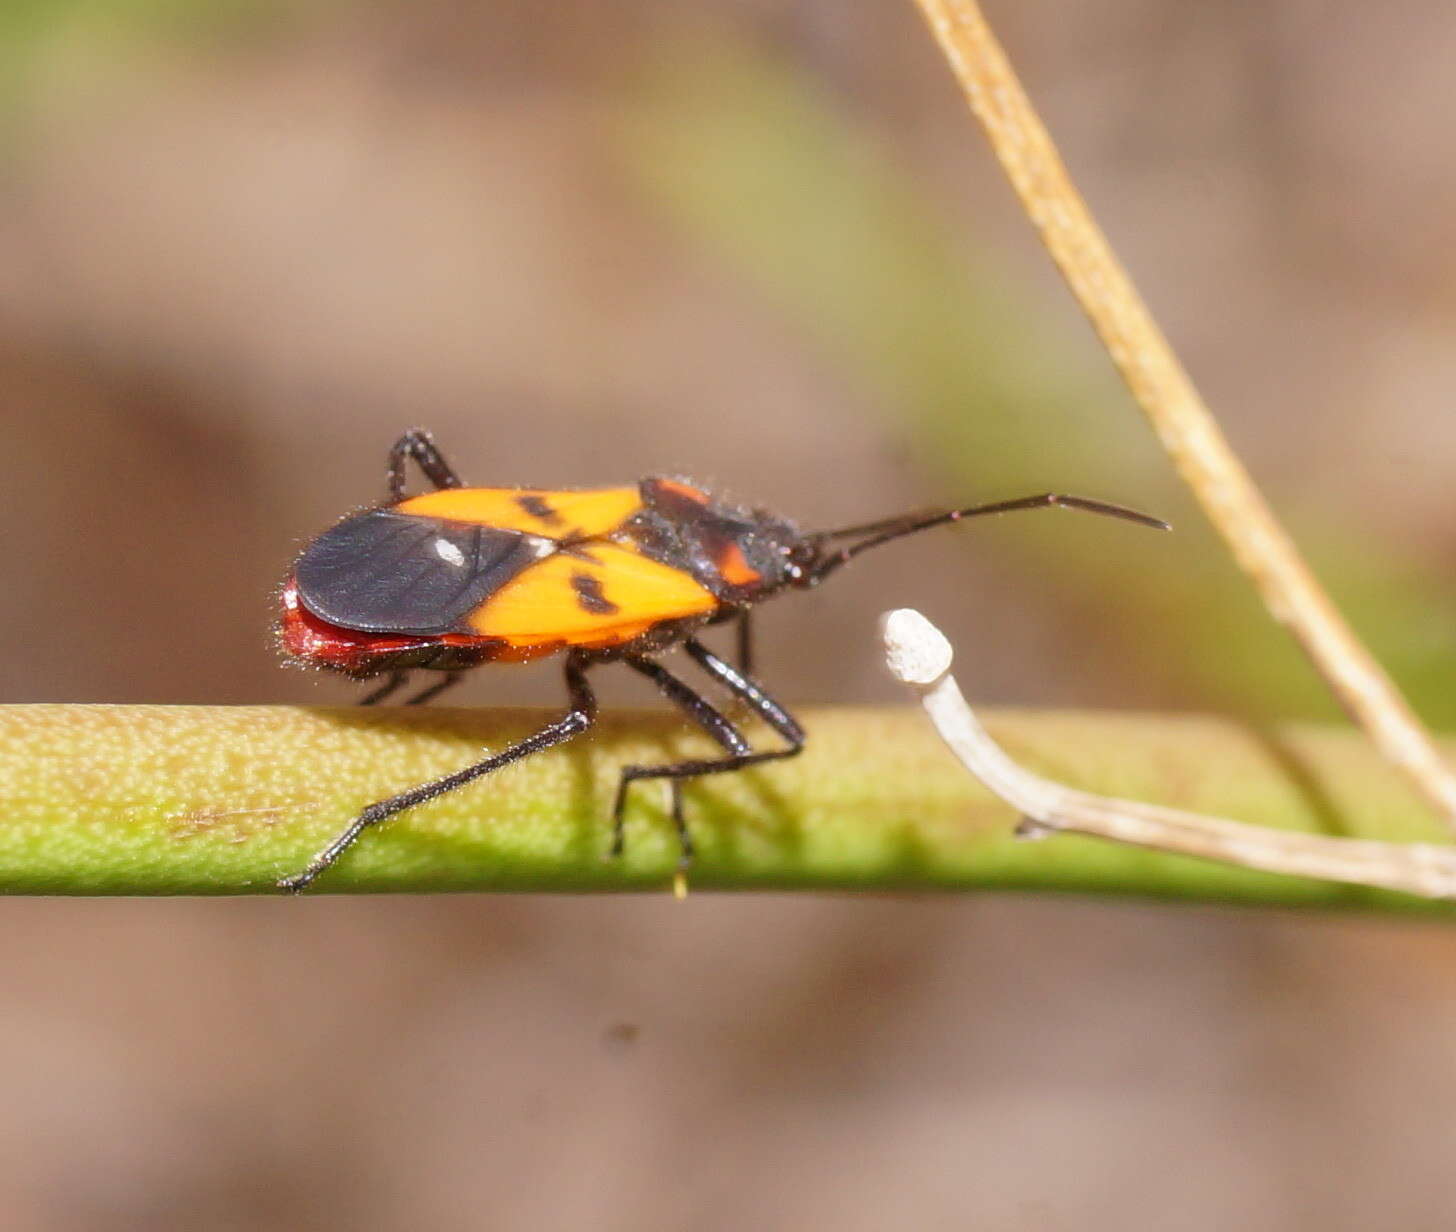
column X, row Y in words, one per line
column 711, row 720
column 740, row 757
column 419, row 445
column 745, row 642
column 751, row 693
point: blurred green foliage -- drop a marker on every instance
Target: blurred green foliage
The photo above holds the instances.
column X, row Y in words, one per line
column 756, row 163
column 39, row 36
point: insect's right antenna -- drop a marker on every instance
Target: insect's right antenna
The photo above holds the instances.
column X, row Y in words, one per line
column 876, row 533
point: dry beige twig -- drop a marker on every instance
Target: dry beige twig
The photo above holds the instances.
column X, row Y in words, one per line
column 920, row 656
column 1167, row 396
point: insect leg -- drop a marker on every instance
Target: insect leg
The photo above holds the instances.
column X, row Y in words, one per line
column 576, row 720
column 448, row 681
column 738, row 683
column 745, row 642
column 379, row 693
column 706, row 716
column 419, row 445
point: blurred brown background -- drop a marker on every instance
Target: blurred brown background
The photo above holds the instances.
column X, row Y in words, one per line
column 244, row 245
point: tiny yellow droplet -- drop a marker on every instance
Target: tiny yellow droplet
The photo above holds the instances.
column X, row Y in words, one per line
column 679, row 885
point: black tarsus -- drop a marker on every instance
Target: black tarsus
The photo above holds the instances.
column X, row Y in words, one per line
column 582, row 714
column 712, row 721
column 419, row 445
column 907, row 524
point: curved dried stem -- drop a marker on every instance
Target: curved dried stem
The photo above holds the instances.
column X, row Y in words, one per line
column 920, row 656
column 1167, row 396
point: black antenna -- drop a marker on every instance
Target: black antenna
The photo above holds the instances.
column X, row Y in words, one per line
column 909, row 523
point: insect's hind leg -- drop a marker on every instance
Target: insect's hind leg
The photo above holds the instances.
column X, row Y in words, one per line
column 582, row 714
column 419, row 445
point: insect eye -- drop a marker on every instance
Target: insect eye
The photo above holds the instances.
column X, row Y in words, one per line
column 801, row 556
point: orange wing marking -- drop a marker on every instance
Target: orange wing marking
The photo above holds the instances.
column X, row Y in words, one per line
column 555, row 515
column 605, row 601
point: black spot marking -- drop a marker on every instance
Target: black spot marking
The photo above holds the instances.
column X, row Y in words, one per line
column 589, row 595
column 538, row 507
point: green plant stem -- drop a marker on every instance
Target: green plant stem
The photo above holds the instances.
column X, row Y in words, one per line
column 198, row 800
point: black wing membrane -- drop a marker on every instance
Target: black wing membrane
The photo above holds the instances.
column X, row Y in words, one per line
column 388, row 572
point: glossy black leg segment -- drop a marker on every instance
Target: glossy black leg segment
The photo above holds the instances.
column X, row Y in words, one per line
column 576, row 720
column 750, row 691
column 393, row 684
column 680, row 824
column 448, row 681
column 745, row 642
column 712, row 721
column 419, row 445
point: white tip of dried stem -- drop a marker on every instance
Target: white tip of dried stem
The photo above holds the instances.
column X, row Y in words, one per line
column 916, row 652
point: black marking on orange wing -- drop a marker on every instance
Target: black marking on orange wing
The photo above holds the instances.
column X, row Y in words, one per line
column 539, row 507
column 387, row 572
column 589, row 594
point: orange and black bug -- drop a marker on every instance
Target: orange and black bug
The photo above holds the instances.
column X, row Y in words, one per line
column 461, row 576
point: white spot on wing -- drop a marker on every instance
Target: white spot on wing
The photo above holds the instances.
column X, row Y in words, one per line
column 449, row 553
